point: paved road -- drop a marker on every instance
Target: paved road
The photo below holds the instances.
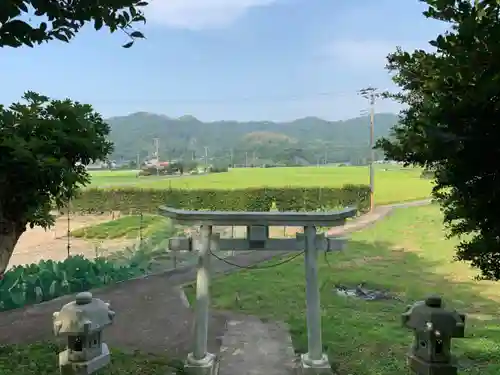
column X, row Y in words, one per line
column 422, row 202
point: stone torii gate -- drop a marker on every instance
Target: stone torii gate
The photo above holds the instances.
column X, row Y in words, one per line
column 314, row 361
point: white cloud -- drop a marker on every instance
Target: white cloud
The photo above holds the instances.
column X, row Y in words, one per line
column 366, row 53
column 200, row 14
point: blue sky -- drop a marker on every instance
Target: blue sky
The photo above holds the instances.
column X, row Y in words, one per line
column 229, row 59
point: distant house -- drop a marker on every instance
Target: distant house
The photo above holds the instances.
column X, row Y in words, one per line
column 156, row 163
column 151, row 162
column 101, row 165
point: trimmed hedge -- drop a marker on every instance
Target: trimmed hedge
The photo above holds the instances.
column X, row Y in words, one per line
column 130, row 200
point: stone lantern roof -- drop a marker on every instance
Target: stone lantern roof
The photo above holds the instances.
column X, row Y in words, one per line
column 85, row 315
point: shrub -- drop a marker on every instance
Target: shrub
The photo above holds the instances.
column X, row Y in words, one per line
column 219, row 169
column 427, row 174
column 130, row 200
column 155, row 171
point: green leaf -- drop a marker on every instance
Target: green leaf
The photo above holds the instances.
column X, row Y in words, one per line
column 61, row 37
column 38, row 294
column 98, row 23
column 137, row 34
column 22, row 6
column 128, row 45
column 53, row 289
column 18, row 296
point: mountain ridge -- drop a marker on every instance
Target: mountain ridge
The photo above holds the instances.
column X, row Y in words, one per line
column 224, row 141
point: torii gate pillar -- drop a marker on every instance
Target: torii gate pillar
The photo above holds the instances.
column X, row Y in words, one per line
column 199, row 361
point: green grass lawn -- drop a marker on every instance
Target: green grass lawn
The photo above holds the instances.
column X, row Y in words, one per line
column 393, row 183
column 406, row 254
column 41, row 359
column 124, row 227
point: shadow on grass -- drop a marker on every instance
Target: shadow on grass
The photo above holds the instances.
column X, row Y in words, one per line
column 366, row 337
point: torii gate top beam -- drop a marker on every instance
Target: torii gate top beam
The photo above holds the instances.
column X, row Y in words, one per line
column 237, row 218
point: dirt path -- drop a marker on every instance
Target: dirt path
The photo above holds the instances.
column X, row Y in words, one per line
column 37, row 244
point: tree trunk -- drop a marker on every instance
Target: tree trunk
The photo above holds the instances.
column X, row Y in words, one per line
column 9, row 235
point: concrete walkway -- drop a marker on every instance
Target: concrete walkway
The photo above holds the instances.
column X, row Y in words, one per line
column 253, row 347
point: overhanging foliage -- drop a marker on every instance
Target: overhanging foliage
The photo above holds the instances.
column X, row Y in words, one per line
column 31, row 22
column 451, row 126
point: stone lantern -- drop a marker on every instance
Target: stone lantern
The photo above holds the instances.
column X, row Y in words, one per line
column 434, row 327
column 81, row 322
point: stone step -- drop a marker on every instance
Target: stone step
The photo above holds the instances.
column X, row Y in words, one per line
column 252, row 347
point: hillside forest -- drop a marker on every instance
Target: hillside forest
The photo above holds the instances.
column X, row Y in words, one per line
column 309, row 140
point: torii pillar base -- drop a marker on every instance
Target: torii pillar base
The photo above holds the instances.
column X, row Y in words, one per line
column 205, row 366
column 308, row 366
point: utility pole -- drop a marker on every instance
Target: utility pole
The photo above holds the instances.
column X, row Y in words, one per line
column 206, row 157
column 157, row 151
column 370, row 93
column 156, row 142
column 138, row 161
column 231, row 156
column 246, row 159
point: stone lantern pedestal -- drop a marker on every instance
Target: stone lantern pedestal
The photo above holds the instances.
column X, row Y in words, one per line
column 81, row 322
column 434, row 327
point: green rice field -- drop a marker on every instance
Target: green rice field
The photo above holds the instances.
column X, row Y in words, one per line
column 392, row 183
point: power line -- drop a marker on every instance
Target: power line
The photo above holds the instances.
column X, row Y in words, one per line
column 236, row 99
